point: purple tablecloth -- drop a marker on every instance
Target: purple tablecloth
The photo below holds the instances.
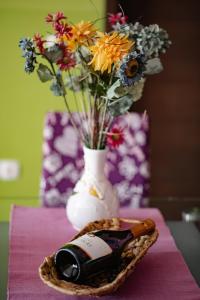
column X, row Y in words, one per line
column 37, row 232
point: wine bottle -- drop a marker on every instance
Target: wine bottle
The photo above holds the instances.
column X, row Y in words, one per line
column 96, row 251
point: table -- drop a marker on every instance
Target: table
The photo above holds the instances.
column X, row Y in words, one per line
column 24, row 260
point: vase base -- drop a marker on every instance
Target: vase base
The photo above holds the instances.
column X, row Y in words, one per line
column 83, row 208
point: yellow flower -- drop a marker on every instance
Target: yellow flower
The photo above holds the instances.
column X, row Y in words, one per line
column 108, row 50
column 82, row 35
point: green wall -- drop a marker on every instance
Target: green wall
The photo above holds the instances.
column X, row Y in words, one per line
column 24, row 100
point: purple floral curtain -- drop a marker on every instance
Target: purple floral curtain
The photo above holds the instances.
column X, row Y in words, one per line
column 127, row 166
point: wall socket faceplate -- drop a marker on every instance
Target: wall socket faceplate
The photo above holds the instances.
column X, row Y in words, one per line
column 9, row 169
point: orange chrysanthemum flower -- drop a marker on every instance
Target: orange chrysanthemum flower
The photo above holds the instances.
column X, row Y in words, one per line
column 108, row 50
column 82, row 34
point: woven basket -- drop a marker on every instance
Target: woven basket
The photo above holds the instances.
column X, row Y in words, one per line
column 108, row 281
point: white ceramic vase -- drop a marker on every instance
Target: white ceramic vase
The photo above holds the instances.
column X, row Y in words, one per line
column 94, row 197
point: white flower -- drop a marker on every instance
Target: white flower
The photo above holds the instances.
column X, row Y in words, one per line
column 52, row 163
column 128, row 168
column 50, row 41
column 152, row 40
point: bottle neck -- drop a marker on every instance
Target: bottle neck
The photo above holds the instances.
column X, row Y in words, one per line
column 145, row 227
column 95, row 162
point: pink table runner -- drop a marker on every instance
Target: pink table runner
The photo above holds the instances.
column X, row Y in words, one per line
column 37, row 232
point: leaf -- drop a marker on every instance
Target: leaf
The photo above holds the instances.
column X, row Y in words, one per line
column 44, row 73
column 111, row 92
column 153, row 66
column 121, row 105
column 117, row 90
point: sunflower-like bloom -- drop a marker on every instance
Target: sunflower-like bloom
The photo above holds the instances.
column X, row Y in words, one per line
column 83, row 34
column 132, row 68
column 108, row 50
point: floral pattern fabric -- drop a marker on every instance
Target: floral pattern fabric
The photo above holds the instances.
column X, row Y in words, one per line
column 127, row 166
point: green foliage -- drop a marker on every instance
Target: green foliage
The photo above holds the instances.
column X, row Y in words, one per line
column 120, row 106
column 44, row 73
column 112, row 91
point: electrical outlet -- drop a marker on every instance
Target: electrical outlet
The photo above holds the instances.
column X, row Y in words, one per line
column 9, row 169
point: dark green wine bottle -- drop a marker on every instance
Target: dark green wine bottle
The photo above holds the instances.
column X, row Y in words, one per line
column 96, row 251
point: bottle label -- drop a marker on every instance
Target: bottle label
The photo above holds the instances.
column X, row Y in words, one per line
column 94, row 246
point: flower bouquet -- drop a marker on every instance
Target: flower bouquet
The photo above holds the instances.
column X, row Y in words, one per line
column 106, row 72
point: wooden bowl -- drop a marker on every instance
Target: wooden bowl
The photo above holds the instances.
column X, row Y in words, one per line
column 108, row 281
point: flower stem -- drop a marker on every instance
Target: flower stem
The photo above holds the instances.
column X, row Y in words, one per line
column 65, row 101
column 101, row 133
column 74, row 94
column 95, row 124
column 72, row 119
column 85, row 115
column 90, row 115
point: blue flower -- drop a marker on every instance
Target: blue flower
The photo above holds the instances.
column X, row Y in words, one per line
column 26, row 44
column 131, row 69
column 28, row 52
column 29, row 67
